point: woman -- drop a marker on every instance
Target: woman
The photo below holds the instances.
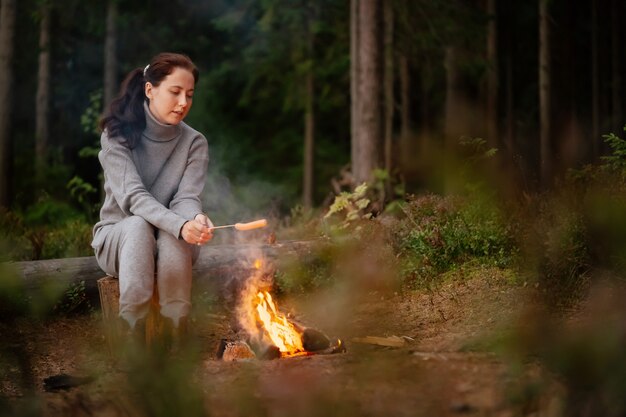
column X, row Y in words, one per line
column 154, row 167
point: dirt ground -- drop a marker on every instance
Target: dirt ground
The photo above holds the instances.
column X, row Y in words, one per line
column 450, row 365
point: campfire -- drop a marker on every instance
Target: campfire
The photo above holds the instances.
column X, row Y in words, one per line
column 281, row 332
column 270, row 334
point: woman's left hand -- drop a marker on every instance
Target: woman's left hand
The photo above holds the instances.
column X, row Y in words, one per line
column 198, row 231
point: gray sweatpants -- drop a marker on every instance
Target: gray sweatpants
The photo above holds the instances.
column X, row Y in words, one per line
column 133, row 251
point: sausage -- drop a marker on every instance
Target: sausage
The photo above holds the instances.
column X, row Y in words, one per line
column 252, row 225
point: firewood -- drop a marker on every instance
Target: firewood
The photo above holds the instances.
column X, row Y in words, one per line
column 272, row 352
column 231, row 351
column 314, row 340
column 109, row 289
column 391, row 341
column 338, row 347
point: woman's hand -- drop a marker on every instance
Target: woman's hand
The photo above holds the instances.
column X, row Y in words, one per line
column 198, row 231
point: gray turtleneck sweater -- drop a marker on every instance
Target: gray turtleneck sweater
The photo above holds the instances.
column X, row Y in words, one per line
column 160, row 180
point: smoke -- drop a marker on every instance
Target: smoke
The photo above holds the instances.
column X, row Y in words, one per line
column 226, row 201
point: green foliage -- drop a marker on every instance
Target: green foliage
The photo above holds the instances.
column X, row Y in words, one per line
column 439, row 234
column 306, row 273
column 89, row 122
column 264, row 56
column 617, row 160
column 48, row 212
column 81, row 190
column 301, row 224
column 383, row 194
column 46, row 230
column 435, row 235
column 475, row 149
column 71, row 239
column 351, row 206
column 562, row 251
column 386, row 192
column 52, row 181
column 74, row 301
column 39, row 219
column 13, row 233
column 569, row 234
column 90, row 118
column 474, row 166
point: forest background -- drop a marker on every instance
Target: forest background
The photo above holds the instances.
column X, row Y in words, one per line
column 489, row 134
column 303, row 99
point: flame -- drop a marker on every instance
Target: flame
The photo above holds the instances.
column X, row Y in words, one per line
column 259, row 316
column 281, row 332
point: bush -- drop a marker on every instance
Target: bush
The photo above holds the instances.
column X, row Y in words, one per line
column 49, row 229
column 74, row 301
column 308, row 272
column 73, row 238
column 558, row 253
column 439, row 234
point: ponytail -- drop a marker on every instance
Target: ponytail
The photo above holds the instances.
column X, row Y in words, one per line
column 126, row 118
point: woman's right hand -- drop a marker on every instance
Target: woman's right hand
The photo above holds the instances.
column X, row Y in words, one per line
column 197, row 231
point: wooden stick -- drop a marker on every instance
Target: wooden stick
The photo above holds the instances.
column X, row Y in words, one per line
column 244, row 226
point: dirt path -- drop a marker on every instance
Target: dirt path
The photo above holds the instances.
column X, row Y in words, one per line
column 439, row 372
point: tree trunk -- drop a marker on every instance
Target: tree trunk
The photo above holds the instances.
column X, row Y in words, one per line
column 110, row 60
column 544, row 92
column 354, row 82
column 510, row 108
column 388, row 84
column 456, row 118
column 7, row 34
column 453, row 124
column 595, row 82
column 405, row 98
column 367, row 152
column 509, row 31
column 309, row 141
column 406, row 154
column 616, row 50
column 424, row 111
column 492, row 75
column 43, row 92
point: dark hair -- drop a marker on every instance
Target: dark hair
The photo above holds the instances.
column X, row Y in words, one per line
column 125, row 117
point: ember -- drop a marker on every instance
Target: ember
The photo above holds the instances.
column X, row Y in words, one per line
column 258, row 263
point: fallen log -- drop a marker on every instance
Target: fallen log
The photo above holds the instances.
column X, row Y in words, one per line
column 214, row 261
